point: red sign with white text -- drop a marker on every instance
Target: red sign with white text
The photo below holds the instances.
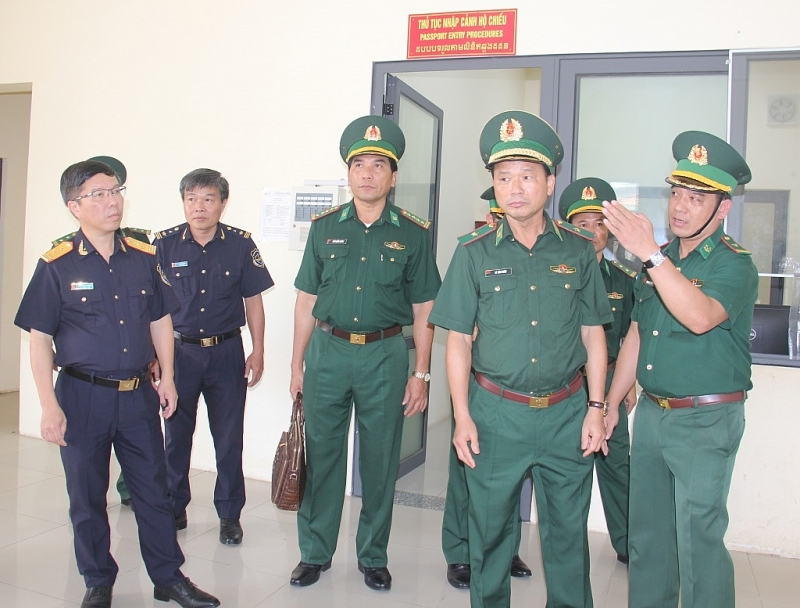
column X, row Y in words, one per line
column 466, row 34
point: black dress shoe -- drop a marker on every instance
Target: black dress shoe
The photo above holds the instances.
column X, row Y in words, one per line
column 519, row 568
column 622, row 559
column 376, row 578
column 181, row 521
column 458, row 575
column 97, row 597
column 307, row 574
column 230, row 531
column 187, row 594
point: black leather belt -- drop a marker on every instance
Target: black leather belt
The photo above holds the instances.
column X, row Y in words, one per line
column 360, row 338
column 531, row 401
column 130, row 384
column 210, row 340
column 671, row 403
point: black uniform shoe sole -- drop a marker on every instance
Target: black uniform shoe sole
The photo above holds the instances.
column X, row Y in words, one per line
column 310, row 574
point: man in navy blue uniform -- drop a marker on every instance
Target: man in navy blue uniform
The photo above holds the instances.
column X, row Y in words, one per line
column 218, row 275
column 99, row 297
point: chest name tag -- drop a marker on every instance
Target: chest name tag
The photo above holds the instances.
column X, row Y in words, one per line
column 497, row 272
column 81, row 286
column 337, row 242
column 179, row 264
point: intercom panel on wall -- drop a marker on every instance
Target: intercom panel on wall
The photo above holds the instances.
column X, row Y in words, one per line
column 306, row 202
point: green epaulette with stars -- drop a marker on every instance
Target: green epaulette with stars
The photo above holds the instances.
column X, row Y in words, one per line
column 417, row 220
column 167, row 232
column 574, row 230
column 66, row 237
column 478, row 234
column 631, row 273
column 140, row 234
column 61, row 248
column 325, row 212
column 734, row 246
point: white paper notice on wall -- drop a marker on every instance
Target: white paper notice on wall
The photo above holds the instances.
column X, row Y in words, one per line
column 276, row 210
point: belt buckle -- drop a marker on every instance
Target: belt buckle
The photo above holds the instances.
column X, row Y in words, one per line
column 663, row 402
column 358, row 339
column 131, row 384
column 212, row 341
column 539, row 402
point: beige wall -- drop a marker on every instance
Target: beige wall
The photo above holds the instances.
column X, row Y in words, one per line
column 261, row 91
column 15, row 114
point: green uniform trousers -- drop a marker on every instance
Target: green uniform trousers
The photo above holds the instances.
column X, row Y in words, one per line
column 515, row 438
column 455, row 530
column 681, row 466
column 613, row 479
column 339, row 375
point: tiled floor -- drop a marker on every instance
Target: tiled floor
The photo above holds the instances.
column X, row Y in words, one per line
column 37, row 564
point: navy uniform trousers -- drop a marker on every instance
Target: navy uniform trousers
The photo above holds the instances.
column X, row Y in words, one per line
column 97, row 418
column 216, row 372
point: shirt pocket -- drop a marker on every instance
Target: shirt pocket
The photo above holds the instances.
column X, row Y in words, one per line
column 647, row 304
column 498, row 300
column 139, row 300
column 334, row 258
column 84, row 308
column 182, row 281
column 563, row 295
column 393, row 266
column 227, row 281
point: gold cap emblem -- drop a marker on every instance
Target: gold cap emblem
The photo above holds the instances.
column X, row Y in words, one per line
column 373, row 133
column 510, row 130
column 588, row 194
column 698, row 155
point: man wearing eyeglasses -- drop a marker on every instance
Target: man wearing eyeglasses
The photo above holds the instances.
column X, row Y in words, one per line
column 99, row 297
column 218, row 275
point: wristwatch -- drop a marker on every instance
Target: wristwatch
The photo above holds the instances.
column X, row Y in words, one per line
column 600, row 405
column 424, row 376
column 655, row 260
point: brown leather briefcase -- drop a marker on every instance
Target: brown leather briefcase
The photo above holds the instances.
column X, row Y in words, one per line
column 289, row 466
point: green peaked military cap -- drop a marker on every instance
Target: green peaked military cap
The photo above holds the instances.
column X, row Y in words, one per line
column 116, row 165
column 518, row 135
column 488, row 195
column 585, row 195
column 372, row 135
column 707, row 163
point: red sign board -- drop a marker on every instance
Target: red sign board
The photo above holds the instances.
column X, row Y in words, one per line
column 464, row 34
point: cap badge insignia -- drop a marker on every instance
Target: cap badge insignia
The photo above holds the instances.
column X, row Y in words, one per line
column 394, row 245
column 373, row 133
column 510, row 130
column 562, row 269
column 698, row 155
column 588, row 194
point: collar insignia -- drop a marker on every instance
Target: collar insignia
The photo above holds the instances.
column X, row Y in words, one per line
column 562, row 269
column 373, row 133
column 698, row 155
column 82, row 248
column 510, row 130
column 394, row 245
column 588, row 194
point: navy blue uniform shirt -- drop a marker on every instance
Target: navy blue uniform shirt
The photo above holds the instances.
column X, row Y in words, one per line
column 211, row 281
column 98, row 312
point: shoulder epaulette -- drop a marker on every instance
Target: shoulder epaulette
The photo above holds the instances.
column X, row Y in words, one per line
column 140, row 234
column 325, row 212
column 242, row 233
column 478, row 234
column 631, row 273
column 574, row 230
column 63, row 248
column 137, row 244
column 417, row 220
column 167, row 232
column 734, row 246
column 66, row 237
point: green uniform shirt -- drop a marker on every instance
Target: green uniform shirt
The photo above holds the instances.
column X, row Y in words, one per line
column 528, row 304
column 673, row 361
column 367, row 278
column 619, row 286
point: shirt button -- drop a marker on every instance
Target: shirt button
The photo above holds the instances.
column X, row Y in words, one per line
column 144, row 293
column 333, row 255
column 177, row 274
column 124, row 350
column 116, row 297
column 111, row 270
column 83, row 299
column 497, row 287
column 534, row 360
column 227, row 273
column 649, row 367
column 534, row 323
column 391, row 259
column 202, row 310
column 358, row 288
column 121, row 322
column 613, row 309
column 202, row 291
column 655, row 332
column 203, row 271
column 567, row 286
column 533, row 287
column 202, row 331
column 355, row 319
column 366, row 231
column 363, row 259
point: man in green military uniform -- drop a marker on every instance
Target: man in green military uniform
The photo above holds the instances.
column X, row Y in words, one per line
column 455, row 531
column 581, row 204
column 688, row 346
column 368, row 270
column 533, row 288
